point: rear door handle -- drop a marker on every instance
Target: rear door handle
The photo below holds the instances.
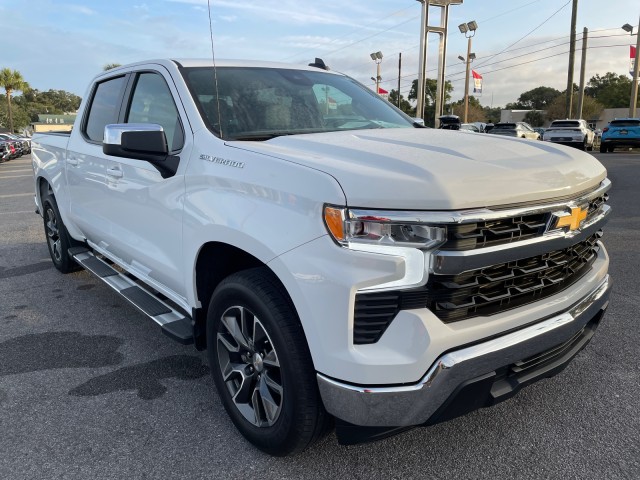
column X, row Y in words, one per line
column 114, row 172
column 72, row 161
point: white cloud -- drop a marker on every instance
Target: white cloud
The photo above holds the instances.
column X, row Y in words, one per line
column 78, row 9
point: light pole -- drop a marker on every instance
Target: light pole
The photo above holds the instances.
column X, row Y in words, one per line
column 469, row 31
column 377, row 57
column 634, row 86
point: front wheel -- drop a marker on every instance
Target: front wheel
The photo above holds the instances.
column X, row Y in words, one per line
column 261, row 364
column 58, row 239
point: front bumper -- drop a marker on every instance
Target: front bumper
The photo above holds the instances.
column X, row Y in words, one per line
column 474, row 376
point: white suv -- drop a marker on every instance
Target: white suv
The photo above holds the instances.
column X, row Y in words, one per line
column 575, row 133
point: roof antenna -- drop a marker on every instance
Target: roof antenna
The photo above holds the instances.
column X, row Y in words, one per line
column 215, row 71
column 319, row 63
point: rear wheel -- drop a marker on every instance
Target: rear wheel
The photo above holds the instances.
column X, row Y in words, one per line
column 58, row 239
column 261, row 364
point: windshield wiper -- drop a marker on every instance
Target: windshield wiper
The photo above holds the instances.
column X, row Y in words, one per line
column 258, row 137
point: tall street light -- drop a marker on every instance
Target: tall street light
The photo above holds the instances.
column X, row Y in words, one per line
column 377, row 57
column 634, row 86
column 469, row 31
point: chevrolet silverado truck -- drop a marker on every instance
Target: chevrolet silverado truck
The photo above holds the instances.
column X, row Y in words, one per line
column 341, row 264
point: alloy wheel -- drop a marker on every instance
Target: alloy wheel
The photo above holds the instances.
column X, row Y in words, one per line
column 250, row 367
column 53, row 234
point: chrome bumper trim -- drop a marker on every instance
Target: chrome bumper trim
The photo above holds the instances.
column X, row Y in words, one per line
column 484, row 214
column 446, row 262
column 414, row 404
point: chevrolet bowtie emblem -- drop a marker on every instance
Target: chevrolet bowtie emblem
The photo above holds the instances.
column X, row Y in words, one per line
column 574, row 220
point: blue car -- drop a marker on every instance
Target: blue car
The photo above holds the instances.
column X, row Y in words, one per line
column 621, row 132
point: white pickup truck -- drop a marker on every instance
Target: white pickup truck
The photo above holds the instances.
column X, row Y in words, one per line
column 341, row 264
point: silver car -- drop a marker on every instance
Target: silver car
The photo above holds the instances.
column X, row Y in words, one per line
column 515, row 129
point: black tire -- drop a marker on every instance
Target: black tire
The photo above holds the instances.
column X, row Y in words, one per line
column 603, row 148
column 278, row 422
column 58, row 239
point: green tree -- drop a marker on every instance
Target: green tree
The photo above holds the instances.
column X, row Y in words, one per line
column 431, row 85
column 492, row 114
column 405, row 106
column 535, row 118
column 109, row 66
column 475, row 112
column 19, row 116
column 611, row 90
column 11, row 81
column 51, row 101
column 539, row 98
column 591, row 108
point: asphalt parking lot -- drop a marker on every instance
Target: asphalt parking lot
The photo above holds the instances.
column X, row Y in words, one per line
column 90, row 389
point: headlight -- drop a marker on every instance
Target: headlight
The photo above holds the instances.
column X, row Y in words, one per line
column 375, row 228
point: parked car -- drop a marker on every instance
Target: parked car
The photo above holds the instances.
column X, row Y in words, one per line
column 14, row 146
column 515, row 129
column 17, row 144
column 621, row 132
column 575, row 133
column 26, row 142
column 449, row 122
column 5, row 151
column 471, row 127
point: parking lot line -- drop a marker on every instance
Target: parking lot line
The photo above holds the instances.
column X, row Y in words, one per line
column 15, row 176
column 16, row 195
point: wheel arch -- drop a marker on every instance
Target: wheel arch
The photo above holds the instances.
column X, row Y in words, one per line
column 215, row 262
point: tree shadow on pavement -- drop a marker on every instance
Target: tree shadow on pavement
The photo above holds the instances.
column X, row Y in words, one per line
column 144, row 377
column 53, row 350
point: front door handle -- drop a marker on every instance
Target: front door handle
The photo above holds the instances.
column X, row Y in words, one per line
column 114, row 172
column 72, row 161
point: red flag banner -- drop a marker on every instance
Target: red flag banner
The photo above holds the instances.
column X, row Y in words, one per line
column 477, row 82
column 632, row 58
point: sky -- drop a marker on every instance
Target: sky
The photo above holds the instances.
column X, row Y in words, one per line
column 519, row 44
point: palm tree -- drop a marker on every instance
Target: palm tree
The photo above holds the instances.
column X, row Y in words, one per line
column 11, row 81
column 109, row 66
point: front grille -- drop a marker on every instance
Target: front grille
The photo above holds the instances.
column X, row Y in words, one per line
column 468, row 236
column 481, row 292
column 495, row 232
column 504, row 286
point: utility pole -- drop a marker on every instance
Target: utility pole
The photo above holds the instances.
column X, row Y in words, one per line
column 466, row 80
column 572, row 55
column 634, row 85
column 583, row 64
column 399, row 75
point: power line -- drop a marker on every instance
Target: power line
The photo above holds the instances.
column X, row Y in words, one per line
column 536, row 28
column 550, row 56
column 383, row 17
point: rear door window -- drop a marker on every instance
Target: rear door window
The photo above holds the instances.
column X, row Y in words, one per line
column 105, row 107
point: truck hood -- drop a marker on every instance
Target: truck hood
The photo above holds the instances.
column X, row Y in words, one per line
column 428, row 169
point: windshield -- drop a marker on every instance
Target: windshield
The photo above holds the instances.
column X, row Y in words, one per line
column 505, row 126
column 625, row 123
column 261, row 103
column 565, row 124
